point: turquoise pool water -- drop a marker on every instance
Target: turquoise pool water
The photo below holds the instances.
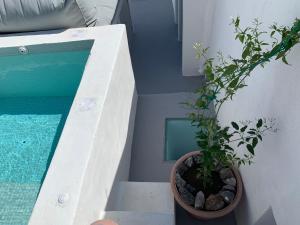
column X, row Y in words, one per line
column 36, row 94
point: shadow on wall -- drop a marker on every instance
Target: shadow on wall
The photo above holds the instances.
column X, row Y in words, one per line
column 122, row 173
column 243, row 214
column 267, row 218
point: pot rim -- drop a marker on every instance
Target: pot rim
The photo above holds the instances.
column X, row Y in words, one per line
column 202, row 214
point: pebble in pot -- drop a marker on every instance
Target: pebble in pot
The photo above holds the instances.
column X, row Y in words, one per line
column 191, row 189
column 230, row 181
column 225, row 173
column 214, row 203
column 197, row 159
column 189, row 162
column 186, row 196
column 228, row 188
column 180, row 182
column 181, row 169
column 199, row 200
column 228, row 196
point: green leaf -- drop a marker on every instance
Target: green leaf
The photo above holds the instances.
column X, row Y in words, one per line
column 251, row 132
column 235, row 125
column 200, row 103
column 237, row 22
column 243, row 128
column 272, row 33
column 250, row 149
column 242, row 85
column 280, row 55
column 241, row 143
column 208, row 72
column 284, row 60
column 260, row 137
column 219, row 82
column 259, row 123
column 230, row 69
column 233, row 83
column 228, row 147
column 202, row 144
column 254, row 142
column 246, row 52
column 256, row 57
column 242, row 38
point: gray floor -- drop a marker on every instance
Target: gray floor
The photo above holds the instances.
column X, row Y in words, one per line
column 147, row 160
column 161, row 87
column 156, row 52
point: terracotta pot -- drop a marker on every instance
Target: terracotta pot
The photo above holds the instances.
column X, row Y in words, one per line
column 201, row 214
column 104, row 222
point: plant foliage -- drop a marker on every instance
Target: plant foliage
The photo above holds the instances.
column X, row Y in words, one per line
column 225, row 77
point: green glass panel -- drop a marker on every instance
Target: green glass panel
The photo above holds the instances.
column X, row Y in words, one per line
column 179, row 138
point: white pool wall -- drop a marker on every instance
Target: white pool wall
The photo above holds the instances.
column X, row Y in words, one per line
column 94, row 150
column 110, row 160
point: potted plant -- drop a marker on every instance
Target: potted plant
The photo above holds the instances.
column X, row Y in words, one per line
column 207, row 183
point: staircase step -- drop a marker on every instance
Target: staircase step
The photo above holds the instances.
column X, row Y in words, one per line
column 140, row 218
column 144, row 197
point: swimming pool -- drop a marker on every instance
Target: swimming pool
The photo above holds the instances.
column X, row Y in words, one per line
column 93, row 152
column 36, row 93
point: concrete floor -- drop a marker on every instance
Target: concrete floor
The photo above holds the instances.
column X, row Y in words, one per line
column 156, row 52
column 156, row 58
column 147, row 158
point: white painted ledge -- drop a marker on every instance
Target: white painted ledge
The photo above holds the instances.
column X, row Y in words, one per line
column 153, row 197
column 140, row 218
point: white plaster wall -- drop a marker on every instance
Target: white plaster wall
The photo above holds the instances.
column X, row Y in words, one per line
column 197, row 16
column 274, row 180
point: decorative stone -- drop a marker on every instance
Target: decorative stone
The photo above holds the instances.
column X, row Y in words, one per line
column 214, row 203
column 190, row 188
column 186, row 196
column 197, row 159
column 180, row 182
column 228, row 188
column 228, row 196
column 226, row 173
column 230, row 181
column 189, row 162
column 181, row 169
column 199, row 200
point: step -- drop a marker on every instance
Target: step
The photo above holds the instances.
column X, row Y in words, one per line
column 140, row 218
column 144, row 197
